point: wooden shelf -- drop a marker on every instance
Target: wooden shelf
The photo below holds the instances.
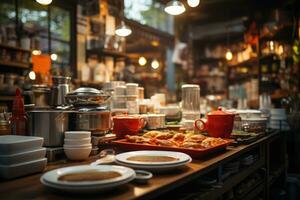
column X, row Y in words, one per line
column 15, row 64
column 249, row 62
column 6, row 98
column 105, row 52
column 14, row 48
column 283, row 33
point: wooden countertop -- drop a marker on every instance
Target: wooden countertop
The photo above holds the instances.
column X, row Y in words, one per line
column 29, row 187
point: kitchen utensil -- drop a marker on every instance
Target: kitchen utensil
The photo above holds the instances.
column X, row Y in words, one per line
column 127, row 125
column 87, row 97
column 59, row 90
column 181, row 160
column 77, row 153
column 13, row 144
column 77, row 134
column 142, row 176
column 155, row 121
column 26, row 156
column 190, row 102
column 21, row 169
column 41, row 96
column 50, row 179
column 107, row 156
column 219, row 123
column 49, row 124
column 95, row 120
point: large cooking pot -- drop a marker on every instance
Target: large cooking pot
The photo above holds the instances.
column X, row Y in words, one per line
column 49, row 124
column 96, row 120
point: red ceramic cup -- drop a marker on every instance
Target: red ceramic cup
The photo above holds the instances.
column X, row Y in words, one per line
column 127, row 125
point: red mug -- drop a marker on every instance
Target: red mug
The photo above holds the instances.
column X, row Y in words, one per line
column 219, row 124
column 127, row 125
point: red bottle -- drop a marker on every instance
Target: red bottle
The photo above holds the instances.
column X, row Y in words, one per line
column 19, row 118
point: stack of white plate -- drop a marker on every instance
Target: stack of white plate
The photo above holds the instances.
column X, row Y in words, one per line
column 180, row 159
column 51, row 178
column 21, row 155
column 77, row 145
column 278, row 119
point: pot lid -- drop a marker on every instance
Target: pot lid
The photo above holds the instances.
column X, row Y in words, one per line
column 220, row 112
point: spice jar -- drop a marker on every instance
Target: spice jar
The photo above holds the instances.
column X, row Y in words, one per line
column 5, row 127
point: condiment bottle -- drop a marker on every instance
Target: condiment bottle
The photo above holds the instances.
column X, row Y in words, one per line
column 19, row 118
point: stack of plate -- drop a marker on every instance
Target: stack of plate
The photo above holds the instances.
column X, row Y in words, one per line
column 51, row 178
column 178, row 159
column 279, row 119
column 21, row 155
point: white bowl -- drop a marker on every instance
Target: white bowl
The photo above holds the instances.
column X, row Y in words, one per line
column 82, row 141
column 77, row 134
column 77, row 146
column 78, row 153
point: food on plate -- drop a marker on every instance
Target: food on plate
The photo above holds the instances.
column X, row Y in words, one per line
column 90, row 175
column 169, row 143
column 152, row 158
column 175, row 139
column 212, row 142
column 164, row 135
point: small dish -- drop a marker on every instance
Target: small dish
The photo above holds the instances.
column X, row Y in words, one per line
column 83, row 141
column 78, row 153
column 142, row 177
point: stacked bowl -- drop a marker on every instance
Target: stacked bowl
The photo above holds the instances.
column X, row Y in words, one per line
column 77, row 145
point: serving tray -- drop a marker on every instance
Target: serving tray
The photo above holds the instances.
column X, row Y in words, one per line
column 195, row 153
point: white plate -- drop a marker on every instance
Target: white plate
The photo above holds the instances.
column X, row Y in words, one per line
column 181, row 157
column 86, row 189
column 22, row 157
column 51, row 177
column 155, row 168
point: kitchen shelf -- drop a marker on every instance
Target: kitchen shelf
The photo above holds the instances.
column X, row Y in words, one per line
column 105, row 52
column 15, row 64
column 6, row 98
column 283, row 33
column 14, row 48
column 250, row 62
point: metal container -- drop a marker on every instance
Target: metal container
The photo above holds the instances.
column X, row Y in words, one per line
column 96, row 121
column 59, row 90
column 41, row 96
column 49, row 124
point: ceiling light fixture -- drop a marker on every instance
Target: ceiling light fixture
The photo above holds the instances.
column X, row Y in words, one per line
column 174, row 8
column 123, row 30
column 155, row 64
column 142, row 61
column 44, row 2
column 53, row 56
column 36, row 52
column 228, row 55
column 193, row 3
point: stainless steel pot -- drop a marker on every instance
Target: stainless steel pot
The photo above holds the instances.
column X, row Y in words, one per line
column 49, row 124
column 98, row 122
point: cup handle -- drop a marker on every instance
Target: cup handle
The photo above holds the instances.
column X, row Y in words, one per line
column 203, row 128
column 142, row 122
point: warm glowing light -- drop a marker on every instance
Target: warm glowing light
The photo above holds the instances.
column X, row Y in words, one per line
column 155, row 43
column 228, row 55
column 36, row 52
column 142, row 61
column 174, row 8
column 123, row 30
column 271, row 45
column 32, row 75
column 54, row 56
column 193, row 3
column 280, row 50
column 44, row 2
column 155, row 64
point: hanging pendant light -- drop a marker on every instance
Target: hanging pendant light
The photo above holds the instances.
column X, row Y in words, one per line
column 228, row 55
column 174, row 8
column 44, row 2
column 193, row 3
column 123, row 30
column 155, row 64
